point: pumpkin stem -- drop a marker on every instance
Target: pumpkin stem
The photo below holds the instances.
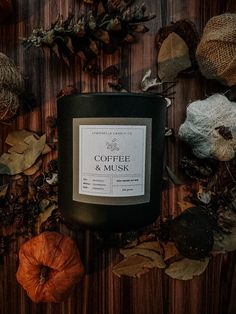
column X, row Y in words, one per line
column 44, row 274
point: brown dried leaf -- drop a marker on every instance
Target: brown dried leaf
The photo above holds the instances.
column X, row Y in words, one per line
column 3, row 190
column 170, row 250
column 44, row 216
column 31, row 139
column 17, row 137
column 133, row 266
column 186, row 269
column 173, row 57
column 32, row 170
column 15, row 163
column 140, row 259
column 150, row 245
column 47, row 149
column 18, row 148
column 185, row 205
column 226, row 243
column 102, row 35
column 156, row 259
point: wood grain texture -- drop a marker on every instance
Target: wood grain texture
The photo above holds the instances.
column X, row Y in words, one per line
column 100, row 292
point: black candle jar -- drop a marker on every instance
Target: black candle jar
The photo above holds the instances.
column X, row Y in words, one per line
column 110, row 159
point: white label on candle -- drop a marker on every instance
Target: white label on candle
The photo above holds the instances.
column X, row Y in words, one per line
column 112, row 160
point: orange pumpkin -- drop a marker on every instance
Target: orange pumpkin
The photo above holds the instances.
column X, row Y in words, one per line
column 49, row 267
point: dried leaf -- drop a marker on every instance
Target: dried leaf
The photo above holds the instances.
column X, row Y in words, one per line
column 15, row 163
column 156, row 259
column 226, row 243
column 102, row 35
column 3, row 190
column 46, row 149
column 186, row 269
column 150, row 245
column 140, row 259
column 185, row 205
column 17, row 137
column 19, row 148
column 32, row 170
column 173, row 57
column 44, row 216
column 170, row 250
column 132, row 266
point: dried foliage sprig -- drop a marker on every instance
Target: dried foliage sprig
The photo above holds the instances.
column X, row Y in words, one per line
column 106, row 28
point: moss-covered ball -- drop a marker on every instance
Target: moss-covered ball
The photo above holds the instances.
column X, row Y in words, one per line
column 192, row 233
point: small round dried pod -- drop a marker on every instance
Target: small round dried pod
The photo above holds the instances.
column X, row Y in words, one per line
column 192, row 233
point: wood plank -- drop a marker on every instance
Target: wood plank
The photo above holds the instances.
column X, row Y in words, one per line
column 100, row 292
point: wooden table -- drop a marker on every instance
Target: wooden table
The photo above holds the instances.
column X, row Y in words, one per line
column 100, row 291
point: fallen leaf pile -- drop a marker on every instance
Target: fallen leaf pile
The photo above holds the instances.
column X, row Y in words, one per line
column 183, row 246
column 25, row 149
column 148, row 255
column 28, row 200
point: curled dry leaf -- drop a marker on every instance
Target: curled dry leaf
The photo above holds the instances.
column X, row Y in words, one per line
column 32, row 170
column 170, row 250
column 17, row 137
column 132, row 266
column 183, row 205
column 173, row 57
column 15, row 163
column 44, row 216
column 140, row 259
column 186, row 269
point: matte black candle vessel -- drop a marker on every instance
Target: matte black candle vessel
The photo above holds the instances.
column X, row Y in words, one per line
column 111, row 159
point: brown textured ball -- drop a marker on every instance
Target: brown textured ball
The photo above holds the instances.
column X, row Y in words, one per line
column 216, row 52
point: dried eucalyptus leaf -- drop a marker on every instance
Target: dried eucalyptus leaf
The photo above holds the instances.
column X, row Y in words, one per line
column 173, row 57
column 170, row 250
column 154, row 256
column 17, row 137
column 30, row 139
column 46, row 149
column 186, row 269
column 148, row 249
column 18, row 148
column 150, row 245
column 225, row 243
column 15, row 163
column 32, row 170
column 3, row 190
column 133, row 266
